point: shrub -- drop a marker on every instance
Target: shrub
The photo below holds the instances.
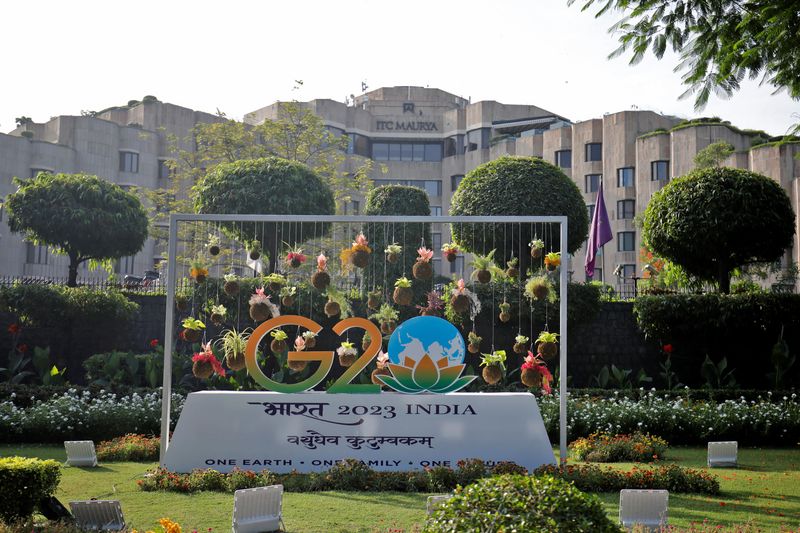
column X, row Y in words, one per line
column 23, row 482
column 592, row 478
column 607, row 448
column 470, row 470
column 129, row 448
column 350, row 474
column 508, row 467
column 441, row 478
column 520, row 503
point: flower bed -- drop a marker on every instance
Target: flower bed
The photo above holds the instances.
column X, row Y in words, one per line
column 607, row 448
column 129, row 448
column 674, row 478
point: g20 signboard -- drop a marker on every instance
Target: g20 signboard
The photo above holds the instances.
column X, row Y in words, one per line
column 426, row 354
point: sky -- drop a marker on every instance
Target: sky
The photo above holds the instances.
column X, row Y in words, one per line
column 237, row 56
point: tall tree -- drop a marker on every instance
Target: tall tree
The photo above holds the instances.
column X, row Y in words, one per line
column 85, row 217
column 716, row 219
column 720, row 42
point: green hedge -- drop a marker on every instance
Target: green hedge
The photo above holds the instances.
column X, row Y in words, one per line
column 23, row 483
column 741, row 327
column 520, row 503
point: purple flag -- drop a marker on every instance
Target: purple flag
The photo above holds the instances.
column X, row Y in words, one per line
column 599, row 232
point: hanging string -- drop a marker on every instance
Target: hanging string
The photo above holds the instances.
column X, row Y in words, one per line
column 492, row 282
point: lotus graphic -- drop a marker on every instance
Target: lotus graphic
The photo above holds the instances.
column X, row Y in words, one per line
column 426, row 354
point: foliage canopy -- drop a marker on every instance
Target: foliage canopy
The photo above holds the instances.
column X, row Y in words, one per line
column 83, row 216
column 715, row 219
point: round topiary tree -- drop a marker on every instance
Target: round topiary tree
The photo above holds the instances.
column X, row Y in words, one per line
column 517, row 186
column 395, row 200
column 83, row 216
column 520, row 503
column 270, row 185
column 716, row 219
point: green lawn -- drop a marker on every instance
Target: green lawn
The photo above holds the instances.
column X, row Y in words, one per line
column 764, row 491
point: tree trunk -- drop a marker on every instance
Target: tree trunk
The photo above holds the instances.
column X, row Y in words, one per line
column 724, row 278
column 73, row 270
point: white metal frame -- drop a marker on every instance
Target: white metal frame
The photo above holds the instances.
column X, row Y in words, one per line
column 175, row 219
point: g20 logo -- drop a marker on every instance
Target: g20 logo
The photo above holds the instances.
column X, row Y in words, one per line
column 426, row 354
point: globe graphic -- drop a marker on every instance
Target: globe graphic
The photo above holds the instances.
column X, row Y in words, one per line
column 426, row 335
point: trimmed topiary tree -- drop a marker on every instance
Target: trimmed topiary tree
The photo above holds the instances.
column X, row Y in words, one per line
column 83, row 216
column 716, row 219
column 517, row 186
column 24, row 482
column 520, row 503
column 395, row 200
column 269, row 185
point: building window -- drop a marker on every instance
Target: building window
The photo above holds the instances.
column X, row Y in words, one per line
column 477, row 139
column 594, row 151
column 353, row 207
column 436, row 242
column 598, row 275
column 165, row 169
column 593, row 182
column 457, row 265
column 129, row 162
column 626, row 177
column 35, row 254
column 436, row 210
column 626, row 241
column 564, row 158
column 454, row 145
column 35, row 171
column 590, row 210
column 659, row 170
column 407, row 151
column 628, row 271
column 626, row 209
column 124, row 265
column 455, row 181
column 358, row 145
column 431, row 187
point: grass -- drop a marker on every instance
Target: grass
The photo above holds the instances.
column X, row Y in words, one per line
column 763, row 492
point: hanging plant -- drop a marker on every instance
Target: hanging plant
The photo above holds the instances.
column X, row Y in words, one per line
column 393, row 252
column 310, row 339
column 374, row 299
column 494, row 366
column 182, row 302
column 547, row 345
column 198, row 270
column 521, row 343
column 275, row 281
column 288, row 295
column 213, row 244
column 192, row 329
column 435, row 305
column 423, row 269
column 473, row 342
column 218, row 313
column 295, row 257
column 460, row 299
column 482, row 266
column 552, row 261
column 450, row 251
column 387, row 317
column 337, row 304
column 321, row 279
column 254, row 250
column 534, row 373
column 512, row 271
column 402, row 295
column 278, row 344
column 358, row 253
column 382, row 369
column 366, row 340
column 505, row 311
column 347, row 354
column 299, row 346
column 231, row 286
column 205, row 364
column 261, row 308
column 539, row 288
column 233, row 346
column 537, row 246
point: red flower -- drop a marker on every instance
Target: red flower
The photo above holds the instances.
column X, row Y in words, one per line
column 22, row 348
column 13, row 329
column 667, row 348
column 154, row 343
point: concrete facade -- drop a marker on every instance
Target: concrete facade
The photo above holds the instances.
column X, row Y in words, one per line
column 419, row 136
